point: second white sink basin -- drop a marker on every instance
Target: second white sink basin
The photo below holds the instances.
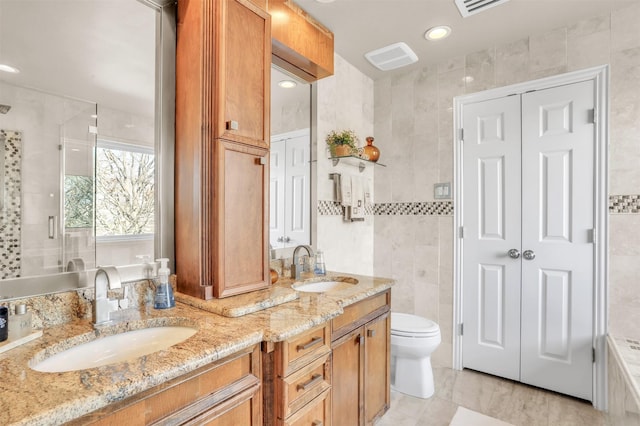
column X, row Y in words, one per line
column 115, row 348
column 324, row 286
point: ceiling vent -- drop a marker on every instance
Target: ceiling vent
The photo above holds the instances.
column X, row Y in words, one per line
column 391, row 57
column 471, row 7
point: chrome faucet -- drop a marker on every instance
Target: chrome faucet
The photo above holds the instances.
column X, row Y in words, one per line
column 107, row 278
column 295, row 268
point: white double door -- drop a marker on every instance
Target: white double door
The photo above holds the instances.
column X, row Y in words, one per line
column 290, row 189
column 528, row 250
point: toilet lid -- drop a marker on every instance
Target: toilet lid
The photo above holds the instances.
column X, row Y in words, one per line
column 413, row 324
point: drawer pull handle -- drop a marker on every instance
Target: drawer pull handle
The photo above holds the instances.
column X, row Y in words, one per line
column 232, row 125
column 371, row 333
column 314, row 379
column 306, row 346
column 360, row 339
column 317, row 423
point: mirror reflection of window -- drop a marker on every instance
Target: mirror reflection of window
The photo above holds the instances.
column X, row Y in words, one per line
column 290, row 169
column 125, row 203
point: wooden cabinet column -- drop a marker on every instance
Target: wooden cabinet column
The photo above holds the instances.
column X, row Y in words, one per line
column 223, row 69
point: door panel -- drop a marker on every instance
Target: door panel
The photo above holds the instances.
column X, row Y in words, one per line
column 558, row 218
column 491, row 205
column 492, row 306
column 298, row 216
column 555, row 209
column 276, row 193
column 491, row 200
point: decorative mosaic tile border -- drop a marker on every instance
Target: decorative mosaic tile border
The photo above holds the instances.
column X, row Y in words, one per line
column 618, row 204
column 11, row 213
column 427, row 208
column 624, row 204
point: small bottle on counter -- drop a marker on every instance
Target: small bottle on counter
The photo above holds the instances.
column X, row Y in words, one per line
column 164, row 298
column 319, row 269
column 19, row 322
column 4, row 323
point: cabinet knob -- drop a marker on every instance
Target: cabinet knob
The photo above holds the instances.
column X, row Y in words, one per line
column 371, row 333
column 232, row 125
column 360, row 339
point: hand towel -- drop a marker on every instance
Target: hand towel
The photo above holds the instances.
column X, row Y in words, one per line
column 368, row 192
column 337, row 187
column 345, row 190
column 357, row 199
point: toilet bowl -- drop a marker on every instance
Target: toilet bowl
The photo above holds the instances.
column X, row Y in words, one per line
column 413, row 340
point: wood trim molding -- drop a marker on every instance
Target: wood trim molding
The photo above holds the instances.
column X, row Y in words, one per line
column 300, row 44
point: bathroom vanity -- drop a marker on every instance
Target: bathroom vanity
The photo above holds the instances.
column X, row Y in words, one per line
column 286, row 362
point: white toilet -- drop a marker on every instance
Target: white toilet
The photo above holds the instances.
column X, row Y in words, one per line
column 413, row 340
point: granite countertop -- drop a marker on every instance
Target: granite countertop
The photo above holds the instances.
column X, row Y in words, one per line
column 36, row 398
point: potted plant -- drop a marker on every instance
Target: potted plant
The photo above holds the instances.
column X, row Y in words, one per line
column 342, row 144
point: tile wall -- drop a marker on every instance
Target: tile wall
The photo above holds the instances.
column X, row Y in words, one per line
column 11, row 204
column 344, row 101
column 413, row 129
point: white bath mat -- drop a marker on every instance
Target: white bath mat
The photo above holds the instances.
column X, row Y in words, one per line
column 464, row 417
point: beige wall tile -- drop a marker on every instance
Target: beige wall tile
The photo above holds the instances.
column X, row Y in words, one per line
column 512, row 62
column 547, row 51
column 624, row 28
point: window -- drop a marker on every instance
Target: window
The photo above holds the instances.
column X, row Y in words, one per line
column 124, row 190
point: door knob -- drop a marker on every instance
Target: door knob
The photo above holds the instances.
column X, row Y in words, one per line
column 513, row 253
column 529, row 255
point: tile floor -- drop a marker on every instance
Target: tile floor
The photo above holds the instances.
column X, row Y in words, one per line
column 503, row 399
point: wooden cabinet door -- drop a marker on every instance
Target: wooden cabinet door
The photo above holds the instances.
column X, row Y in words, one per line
column 347, row 378
column 377, row 348
column 241, row 222
column 243, row 77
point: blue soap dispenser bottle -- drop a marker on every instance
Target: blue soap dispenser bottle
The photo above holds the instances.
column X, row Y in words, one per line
column 164, row 292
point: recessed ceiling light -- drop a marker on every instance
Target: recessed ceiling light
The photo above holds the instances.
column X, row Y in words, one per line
column 325, row 1
column 287, row 84
column 9, row 68
column 437, row 33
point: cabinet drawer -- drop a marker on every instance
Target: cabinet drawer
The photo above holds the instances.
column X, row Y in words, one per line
column 302, row 349
column 213, row 389
column 355, row 315
column 316, row 413
column 299, row 388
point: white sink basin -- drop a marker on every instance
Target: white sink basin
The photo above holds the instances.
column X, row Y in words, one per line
column 322, row 286
column 115, row 348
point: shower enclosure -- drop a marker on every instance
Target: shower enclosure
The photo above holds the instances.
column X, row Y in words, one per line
column 46, row 184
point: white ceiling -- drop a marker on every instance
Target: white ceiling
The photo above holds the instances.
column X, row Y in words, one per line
column 97, row 50
column 360, row 26
column 104, row 50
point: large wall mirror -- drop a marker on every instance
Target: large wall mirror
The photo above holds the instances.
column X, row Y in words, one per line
column 85, row 137
column 290, row 171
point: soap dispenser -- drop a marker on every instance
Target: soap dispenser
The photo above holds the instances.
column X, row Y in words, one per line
column 164, row 292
